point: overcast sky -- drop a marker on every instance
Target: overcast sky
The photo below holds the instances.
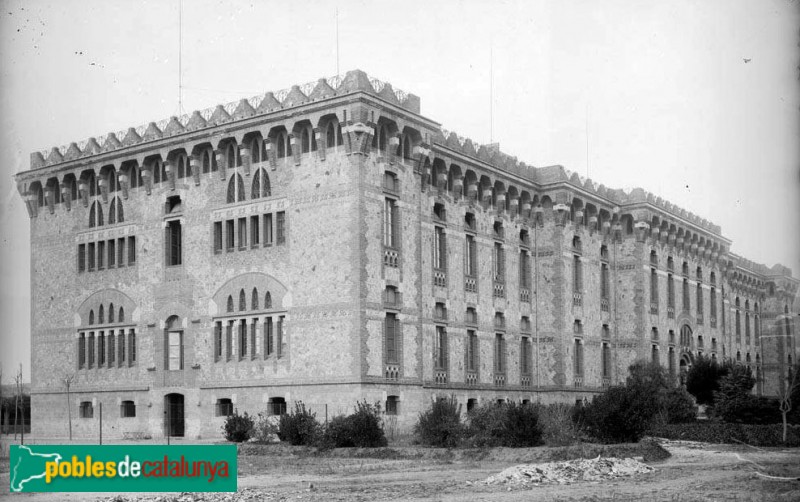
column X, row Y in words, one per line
column 696, row 101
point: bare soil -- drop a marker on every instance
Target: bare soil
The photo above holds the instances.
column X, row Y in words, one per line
column 694, row 471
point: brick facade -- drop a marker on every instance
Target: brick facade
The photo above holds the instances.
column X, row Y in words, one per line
column 361, row 232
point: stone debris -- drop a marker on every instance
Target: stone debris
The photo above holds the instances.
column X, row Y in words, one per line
column 570, row 471
column 243, row 495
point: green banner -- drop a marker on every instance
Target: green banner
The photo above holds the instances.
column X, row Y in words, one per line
column 122, row 468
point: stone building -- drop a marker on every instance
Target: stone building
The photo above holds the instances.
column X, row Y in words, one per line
column 329, row 243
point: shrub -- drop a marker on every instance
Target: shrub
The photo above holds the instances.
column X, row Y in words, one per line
column 620, row 414
column 679, row 406
column 238, row 428
column 298, row 427
column 733, row 397
column 702, row 380
column 507, row 424
column 361, row 429
column 440, row 425
column 265, row 428
column 720, row 432
column 557, row 424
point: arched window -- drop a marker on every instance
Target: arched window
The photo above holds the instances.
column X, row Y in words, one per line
column 330, row 134
column 230, row 153
column 100, row 316
column 255, row 150
column 156, row 166
column 254, row 300
column 121, row 317
column 111, row 313
column 235, row 188
column 306, row 139
column 112, row 212
column 242, row 300
column 261, row 186
column 230, row 303
column 268, row 300
column 96, row 215
column 91, row 317
column 283, row 146
column 406, row 147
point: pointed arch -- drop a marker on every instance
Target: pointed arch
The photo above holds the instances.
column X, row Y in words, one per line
column 230, row 303
column 112, row 212
column 254, row 300
column 96, row 215
column 235, row 188
column 260, row 186
column 100, row 316
column 120, row 214
column 121, row 317
column 268, row 300
column 91, row 317
column 242, row 300
column 111, row 313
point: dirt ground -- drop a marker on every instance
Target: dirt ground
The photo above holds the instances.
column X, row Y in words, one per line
column 694, row 471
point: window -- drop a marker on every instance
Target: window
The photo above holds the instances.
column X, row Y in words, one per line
column 499, row 353
column 670, row 264
column 217, row 237
column 235, row 189
column 390, row 182
column 604, row 253
column 268, row 229
column 242, row 233
column 671, row 361
column 472, row 350
column 261, row 186
column 82, row 350
column 269, row 343
column 392, row 405
column 254, row 299
column 276, row 406
column 131, row 250
column 101, row 254
column 121, row 252
column 101, row 349
column 132, row 347
column 670, row 292
column 96, row 215
column 525, row 356
column 229, row 341
column 92, row 257
column 230, row 236
column 686, row 304
column 604, row 285
column 174, row 350
column 218, row 341
column 524, row 269
column 439, row 249
column 91, row 349
column 440, row 312
column 392, row 332
column 471, row 259
column 224, row 407
column 605, row 356
column 469, row 222
column 440, row 348
column 121, row 347
column 127, row 409
column 653, row 258
column 391, row 223
column 699, row 299
column 255, row 237
column 499, row 262
column 242, row 339
column 81, row 257
column 471, row 316
column 577, row 247
column 391, row 296
column 280, row 231
column 577, row 274
column 173, row 243
column 112, row 253
column 242, row 300
column 578, row 357
column 86, row 409
column 654, row 357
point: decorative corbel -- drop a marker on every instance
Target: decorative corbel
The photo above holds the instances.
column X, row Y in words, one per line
column 641, row 228
column 66, row 196
column 147, row 178
column 123, row 184
column 104, row 188
column 578, row 217
column 562, row 211
column 441, row 182
column 486, row 197
column 592, row 224
column 272, row 155
column 616, row 231
column 500, row 202
column 322, row 143
column 32, row 202
column 472, row 191
column 538, row 215
column 194, row 163
column 513, row 206
column 458, row 187
column 83, row 192
column 246, row 156
column 49, row 199
column 394, row 144
column 170, row 170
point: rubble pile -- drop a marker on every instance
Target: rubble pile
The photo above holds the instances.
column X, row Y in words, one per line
column 243, row 495
column 596, row 469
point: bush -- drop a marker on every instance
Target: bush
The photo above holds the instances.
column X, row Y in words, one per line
column 265, row 428
column 733, row 397
column 679, row 406
column 440, row 425
column 361, row 429
column 238, row 428
column 703, row 378
column 719, row 432
column 557, row 424
column 299, row 427
column 619, row 415
column 507, row 424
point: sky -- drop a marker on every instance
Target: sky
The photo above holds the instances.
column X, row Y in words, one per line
column 695, row 101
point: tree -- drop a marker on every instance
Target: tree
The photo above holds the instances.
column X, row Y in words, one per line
column 788, row 393
column 68, row 378
column 734, row 395
column 702, row 380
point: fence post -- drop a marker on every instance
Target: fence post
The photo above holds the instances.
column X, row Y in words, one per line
column 101, row 423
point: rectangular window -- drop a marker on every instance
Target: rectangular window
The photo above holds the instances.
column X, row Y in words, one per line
column 242, row 339
column 81, row 257
column 391, row 331
column 131, row 250
column 217, row 341
column 91, row 255
column 605, row 355
column 111, row 348
column 101, row 255
column 112, row 253
column 268, row 229
column 471, row 261
column 174, row 243
column 279, row 346
column 670, row 291
column 229, row 341
column 578, row 358
column 131, row 347
column 524, row 269
column 242, row 233
column 175, row 351
column 472, row 350
column 604, row 281
column 253, row 339
column 82, row 351
column 700, row 299
column 577, row 274
column 127, row 409
column 391, row 223
column 440, row 348
column 121, row 252
column 671, row 361
column 230, row 235
column 654, row 354
column 499, row 353
column 499, row 263
column 525, row 355
column 217, row 237
column 280, row 228
column 91, row 349
column 653, row 286
column 686, row 305
column 255, row 232
column 121, row 343
column 86, row 410
column 439, row 249
column 269, row 346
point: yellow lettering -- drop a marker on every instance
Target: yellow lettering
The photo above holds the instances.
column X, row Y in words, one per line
column 111, row 469
column 50, row 470
column 97, row 469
